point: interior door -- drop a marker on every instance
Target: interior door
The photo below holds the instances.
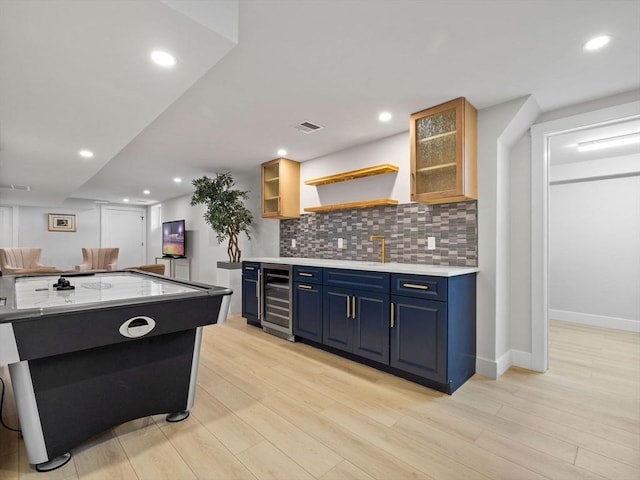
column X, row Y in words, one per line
column 125, row 228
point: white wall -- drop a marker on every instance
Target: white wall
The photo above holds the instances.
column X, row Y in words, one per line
column 520, row 250
column 393, row 150
column 60, row 249
column 6, row 227
column 594, row 259
column 499, row 129
column 202, row 245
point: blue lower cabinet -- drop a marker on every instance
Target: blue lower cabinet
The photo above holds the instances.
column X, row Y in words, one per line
column 419, row 337
column 250, row 292
column 337, row 323
column 371, row 326
column 357, row 322
column 307, row 312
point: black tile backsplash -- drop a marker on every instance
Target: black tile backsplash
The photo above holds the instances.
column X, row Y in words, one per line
column 405, row 227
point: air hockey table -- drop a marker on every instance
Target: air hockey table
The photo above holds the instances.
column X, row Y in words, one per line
column 118, row 346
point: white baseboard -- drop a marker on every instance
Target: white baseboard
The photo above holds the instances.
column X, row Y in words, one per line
column 521, row 359
column 494, row 368
column 595, row 320
column 487, row 368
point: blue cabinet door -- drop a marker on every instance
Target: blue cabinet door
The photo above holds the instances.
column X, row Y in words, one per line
column 371, row 325
column 419, row 337
column 250, row 300
column 307, row 311
column 337, row 324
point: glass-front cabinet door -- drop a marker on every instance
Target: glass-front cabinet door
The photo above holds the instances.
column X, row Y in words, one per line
column 443, row 153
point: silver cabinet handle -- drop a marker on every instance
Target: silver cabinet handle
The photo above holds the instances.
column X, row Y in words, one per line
column 249, row 268
column 306, row 287
column 259, row 294
column 393, row 320
column 417, row 287
column 305, row 274
column 348, row 297
column 353, row 307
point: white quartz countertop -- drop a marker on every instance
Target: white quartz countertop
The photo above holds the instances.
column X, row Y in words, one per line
column 416, row 269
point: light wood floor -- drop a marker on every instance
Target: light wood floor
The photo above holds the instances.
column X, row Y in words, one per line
column 270, row 409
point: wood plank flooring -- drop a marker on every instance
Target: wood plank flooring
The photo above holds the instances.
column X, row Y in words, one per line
column 270, row 409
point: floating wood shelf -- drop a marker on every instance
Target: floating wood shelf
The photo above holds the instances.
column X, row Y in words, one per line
column 380, row 202
column 353, row 174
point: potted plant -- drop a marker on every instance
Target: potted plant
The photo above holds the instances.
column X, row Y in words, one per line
column 226, row 212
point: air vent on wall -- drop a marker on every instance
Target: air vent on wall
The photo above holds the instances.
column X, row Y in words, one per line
column 16, row 187
column 307, row 127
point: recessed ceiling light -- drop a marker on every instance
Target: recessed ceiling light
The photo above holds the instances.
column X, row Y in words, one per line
column 163, row 59
column 146, row 192
column 125, row 200
column 384, row 117
column 597, row 43
column 611, row 142
column 282, row 152
column 86, row 153
column 177, row 179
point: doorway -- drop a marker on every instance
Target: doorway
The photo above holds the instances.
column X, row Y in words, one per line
column 124, row 228
column 542, row 136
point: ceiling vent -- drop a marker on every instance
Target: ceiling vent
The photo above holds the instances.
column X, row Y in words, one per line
column 307, row 127
column 26, row 188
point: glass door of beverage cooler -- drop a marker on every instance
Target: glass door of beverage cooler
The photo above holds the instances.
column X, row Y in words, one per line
column 276, row 300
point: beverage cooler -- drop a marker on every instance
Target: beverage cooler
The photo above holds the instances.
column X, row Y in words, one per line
column 276, row 300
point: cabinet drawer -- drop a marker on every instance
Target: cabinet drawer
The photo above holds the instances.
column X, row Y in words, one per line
column 250, row 269
column 357, row 279
column 307, row 274
column 419, row 286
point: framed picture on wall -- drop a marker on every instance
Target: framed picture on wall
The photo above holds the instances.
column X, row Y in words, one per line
column 62, row 222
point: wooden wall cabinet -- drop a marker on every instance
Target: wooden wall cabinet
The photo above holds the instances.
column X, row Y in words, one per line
column 443, row 153
column 281, row 189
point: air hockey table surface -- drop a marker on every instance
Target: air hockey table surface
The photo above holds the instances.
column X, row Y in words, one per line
column 118, row 346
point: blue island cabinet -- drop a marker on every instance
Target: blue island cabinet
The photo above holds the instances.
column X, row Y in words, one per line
column 356, row 313
column 433, row 328
column 250, row 273
column 307, row 303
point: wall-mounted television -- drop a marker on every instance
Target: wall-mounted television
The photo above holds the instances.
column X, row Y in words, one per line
column 174, row 239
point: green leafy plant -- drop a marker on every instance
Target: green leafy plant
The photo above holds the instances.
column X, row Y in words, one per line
column 226, row 212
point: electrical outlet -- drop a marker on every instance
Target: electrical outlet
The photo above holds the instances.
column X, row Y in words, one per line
column 293, row 243
column 340, row 243
column 431, row 243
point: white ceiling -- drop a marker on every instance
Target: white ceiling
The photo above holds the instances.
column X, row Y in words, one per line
column 76, row 75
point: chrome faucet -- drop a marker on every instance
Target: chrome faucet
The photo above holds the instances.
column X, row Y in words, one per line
column 381, row 238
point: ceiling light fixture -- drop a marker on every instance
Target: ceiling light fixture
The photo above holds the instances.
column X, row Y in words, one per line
column 597, row 43
column 86, row 153
column 610, row 142
column 125, row 200
column 384, row 117
column 163, row 59
column 146, row 192
column 282, row 152
column 177, row 180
